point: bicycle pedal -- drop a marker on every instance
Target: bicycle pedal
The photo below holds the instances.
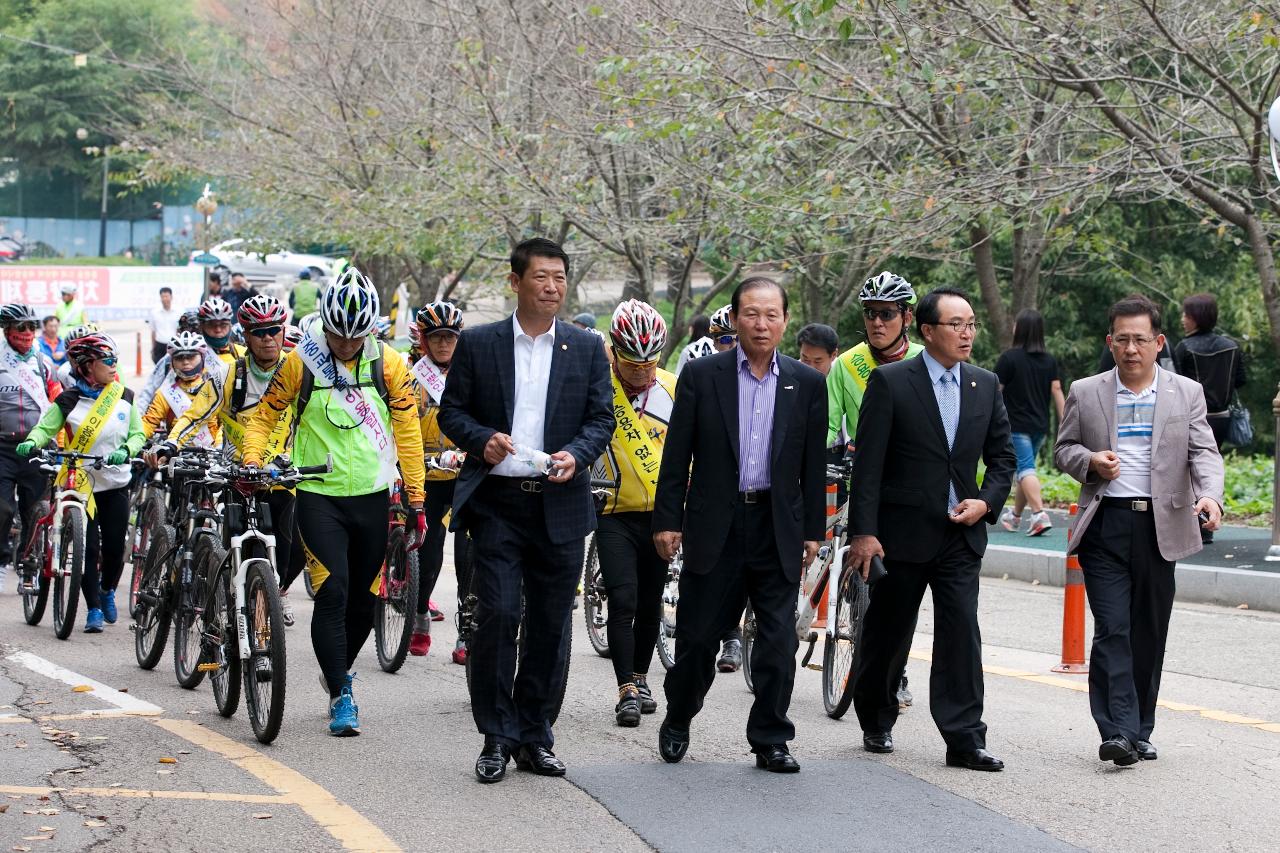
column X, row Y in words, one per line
column 208, row 667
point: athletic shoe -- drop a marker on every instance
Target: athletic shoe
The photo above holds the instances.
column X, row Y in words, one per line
column 627, row 711
column 904, row 695
column 1009, row 521
column 647, row 703
column 344, row 714
column 109, row 606
column 460, row 653
column 730, row 656
column 437, row 615
column 1040, row 524
column 419, row 645
column 286, row 609
column 93, row 621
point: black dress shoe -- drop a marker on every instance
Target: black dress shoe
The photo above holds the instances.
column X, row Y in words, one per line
column 881, row 742
column 491, row 766
column 536, row 758
column 673, row 743
column 776, row 759
column 1146, row 752
column 978, row 759
column 1119, row 750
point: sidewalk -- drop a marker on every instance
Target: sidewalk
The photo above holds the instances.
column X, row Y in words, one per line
column 1232, row 571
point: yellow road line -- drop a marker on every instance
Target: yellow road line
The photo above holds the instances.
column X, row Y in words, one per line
column 352, row 829
column 133, row 793
column 103, row 714
column 1083, row 687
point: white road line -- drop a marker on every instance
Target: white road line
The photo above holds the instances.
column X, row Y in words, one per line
column 123, row 702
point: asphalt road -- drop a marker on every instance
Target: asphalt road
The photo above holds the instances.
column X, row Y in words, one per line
column 406, row 783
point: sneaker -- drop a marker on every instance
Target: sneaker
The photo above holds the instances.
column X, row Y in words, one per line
column 109, row 606
column 730, row 656
column 346, row 682
column 419, row 645
column 344, row 714
column 93, row 621
column 904, row 695
column 647, row 703
column 286, row 609
column 460, row 653
column 627, row 711
column 437, row 615
column 1009, row 521
column 1040, row 524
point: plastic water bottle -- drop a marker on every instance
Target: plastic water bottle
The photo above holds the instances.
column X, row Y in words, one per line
column 537, row 462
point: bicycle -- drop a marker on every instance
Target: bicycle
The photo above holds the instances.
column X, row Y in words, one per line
column 396, row 589
column 670, row 600
column 64, row 540
column 595, row 596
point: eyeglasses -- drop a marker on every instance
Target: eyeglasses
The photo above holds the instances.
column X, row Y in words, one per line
column 957, row 326
column 725, row 340
column 109, row 361
column 882, row 314
column 1124, row 341
column 631, row 362
column 266, row 331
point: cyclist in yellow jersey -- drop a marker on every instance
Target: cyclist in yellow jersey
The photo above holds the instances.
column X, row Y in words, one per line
column 634, row 574
column 355, row 403
column 436, row 331
column 189, row 375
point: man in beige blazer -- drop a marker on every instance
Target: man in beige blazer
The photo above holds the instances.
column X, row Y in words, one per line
column 1137, row 439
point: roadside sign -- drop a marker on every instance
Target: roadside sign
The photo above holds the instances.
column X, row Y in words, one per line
column 205, row 259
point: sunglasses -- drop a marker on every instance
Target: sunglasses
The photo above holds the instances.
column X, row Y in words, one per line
column 266, row 331
column 725, row 340
column 631, row 362
column 882, row 314
column 109, row 361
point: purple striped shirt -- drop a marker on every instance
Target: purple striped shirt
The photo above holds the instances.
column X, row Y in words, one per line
column 755, row 423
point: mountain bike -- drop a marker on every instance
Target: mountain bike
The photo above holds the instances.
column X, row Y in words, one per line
column 396, row 588
column 670, row 599
column 595, row 595
column 53, row 558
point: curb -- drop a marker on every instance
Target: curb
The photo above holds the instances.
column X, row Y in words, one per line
column 1225, row 587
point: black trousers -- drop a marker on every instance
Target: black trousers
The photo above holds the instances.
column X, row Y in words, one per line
column 158, row 351
column 1130, row 588
column 634, row 576
column 955, row 678
column 290, row 558
column 513, row 555
column 104, row 545
column 710, row 602
column 28, row 482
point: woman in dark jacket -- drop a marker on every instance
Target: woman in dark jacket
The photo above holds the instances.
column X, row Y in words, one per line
column 1213, row 360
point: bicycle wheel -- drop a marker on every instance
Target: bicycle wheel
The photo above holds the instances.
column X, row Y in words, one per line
column 393, row 611
column 264, row 676
column 189, row 615
column 748, row 643
column 35, row 599
column 149, row 600
column 68, row 572
column 595, row 601
column 667, row 627
column 151, row 515
column 221, row 646
column 306, row 580
column 840, row 651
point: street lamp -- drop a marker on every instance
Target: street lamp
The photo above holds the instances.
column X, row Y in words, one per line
column 83, row 134
column 1273, row 553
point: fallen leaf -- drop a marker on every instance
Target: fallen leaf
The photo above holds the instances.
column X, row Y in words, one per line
column 21, row 849
column 1242, row 607
column 49, row 812
column 122, row 689
column 261, row 816
column 165, row 772
column 116, row 785
column 4, row 807
column 43, row 702
column 48, row 829
column 167, row 760
column 28, row 811
column 82, row 688
column 95, row 823
column 193, row 712
column 184, row 752
column 1035, row 582
column 77, row 770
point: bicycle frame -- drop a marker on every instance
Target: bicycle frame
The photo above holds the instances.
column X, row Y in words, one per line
column 64, row 498
column 240, row 572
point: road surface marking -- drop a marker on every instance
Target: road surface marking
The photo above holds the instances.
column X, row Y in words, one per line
column 352, row 829
column 122, row 701
column 1083, row 687
column 132, row 793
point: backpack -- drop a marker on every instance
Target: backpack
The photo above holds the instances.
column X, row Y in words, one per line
column 377, row 369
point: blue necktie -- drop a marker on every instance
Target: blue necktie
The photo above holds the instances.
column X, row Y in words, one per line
column 949, row 408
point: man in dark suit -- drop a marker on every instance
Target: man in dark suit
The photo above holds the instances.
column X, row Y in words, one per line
column 915, row 502
column 529, row 400
column 750, row 514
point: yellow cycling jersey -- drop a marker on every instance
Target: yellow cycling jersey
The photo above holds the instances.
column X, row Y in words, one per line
column 161, row 412
column 619, row 463
column 216, row 404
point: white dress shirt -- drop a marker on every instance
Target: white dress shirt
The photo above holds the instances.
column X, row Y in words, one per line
column 528, row 417
column 1135, row 415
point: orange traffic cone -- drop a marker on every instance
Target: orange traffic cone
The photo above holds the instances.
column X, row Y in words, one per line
column 1073, row 603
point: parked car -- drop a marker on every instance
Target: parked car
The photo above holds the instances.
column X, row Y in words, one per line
column 265, row 268
column 10, row 249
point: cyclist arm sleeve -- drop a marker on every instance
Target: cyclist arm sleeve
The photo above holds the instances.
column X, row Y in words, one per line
column 136, row 438
column 875, row 423
column 598, row 422
column 204, row 407
column 50, row 423
column 280, row 394
column 835, row 402
column 155, row 416
column 402, row 392
column 456, row 420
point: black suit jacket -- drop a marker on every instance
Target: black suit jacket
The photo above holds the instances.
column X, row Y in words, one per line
column 901, row 466
column 479, row 398
column 704, row 431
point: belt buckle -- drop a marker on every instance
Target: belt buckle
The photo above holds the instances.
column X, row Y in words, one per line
column 530, row 486
column 750, row 497
column 1138, row 506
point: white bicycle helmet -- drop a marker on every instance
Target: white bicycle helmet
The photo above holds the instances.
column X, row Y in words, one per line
column 215, row 309
column 722, row 323
column 887, row 287
column 701, row 347
column 349, row 306
column 186, row 343
column 638, row 330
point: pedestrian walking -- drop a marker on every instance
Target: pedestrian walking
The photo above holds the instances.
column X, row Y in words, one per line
column 529, row 400
column 1029, row 378
column 923, row 426
column 1138, row 439
column 164, row 325
column 1212, row 359
column 749, row 513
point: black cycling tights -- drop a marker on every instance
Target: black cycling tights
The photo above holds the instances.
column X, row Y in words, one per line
column 106, row 534
column 345, row 540
column 634, row 576
column 439, row 498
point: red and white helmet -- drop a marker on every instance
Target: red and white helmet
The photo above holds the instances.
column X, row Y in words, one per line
column 292, row 336
column 89, row 348
column 216, row 309
column 638, row 330
column 261, row 310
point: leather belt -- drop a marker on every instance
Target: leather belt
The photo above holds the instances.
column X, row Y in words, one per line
column 755, row 496
column 1132, row 504
column 529, row 486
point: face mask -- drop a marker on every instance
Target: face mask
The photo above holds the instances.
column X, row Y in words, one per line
column 193, row 372
column 21, row 341
column 217, row 343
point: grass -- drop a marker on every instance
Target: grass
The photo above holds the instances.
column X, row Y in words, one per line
column 113, row 261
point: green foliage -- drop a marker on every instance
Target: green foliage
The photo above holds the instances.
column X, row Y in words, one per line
column 112, row 261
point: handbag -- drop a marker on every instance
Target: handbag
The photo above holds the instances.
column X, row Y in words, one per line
column 1239, row 425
